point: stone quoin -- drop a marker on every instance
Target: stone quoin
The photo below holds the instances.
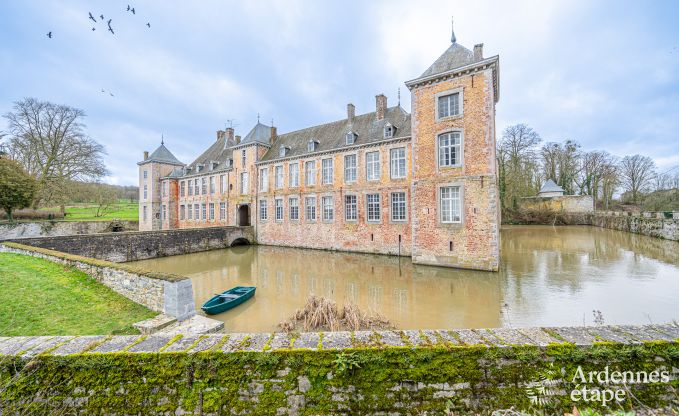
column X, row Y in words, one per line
column 422, row 184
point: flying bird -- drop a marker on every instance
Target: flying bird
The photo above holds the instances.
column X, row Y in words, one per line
column 111, row 94
column 133, row 11
column 111, row 30
column 92, row 17
column 102, row 16
column 49, row 35
column 93, row 29
column 128, row 7
column 148, row 24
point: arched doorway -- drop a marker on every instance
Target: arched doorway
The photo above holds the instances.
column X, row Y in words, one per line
column 240, row 241
column 244, row 215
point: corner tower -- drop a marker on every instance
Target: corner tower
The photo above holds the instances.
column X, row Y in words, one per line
column 152, row 169
column 456, row 217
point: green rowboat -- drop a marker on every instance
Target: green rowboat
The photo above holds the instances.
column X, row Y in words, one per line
column 228, row 299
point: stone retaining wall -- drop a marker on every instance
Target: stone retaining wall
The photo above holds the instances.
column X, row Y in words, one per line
column 59, row 228
column 388, row 372
column 140, row 245
column 653, row 224
column 160, row 292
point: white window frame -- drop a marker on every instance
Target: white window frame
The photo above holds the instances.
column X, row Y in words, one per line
column 460, row 103
column 373, row 170
column 293, row 209
column 222, row 183
column 190, row 193
column 459, row 200
column 310, row 208
column 351, row 208
column 440, row 150
column 244, row 157
column 279, row 214
column 203, row 211
column 213, row 185
column 196, row 187
column 189, row 211
column 293, row 175
column 196, row 212
column 350, row 169
column 211, row 211
column 396, row 162
column 310, row 173
column 388, row 131
column 244, row 183
column 144, row 213
column 263, row 209
column 393, row 206
column 264, row 180
column 222, row 211
column 182, row 188
column 350, row 138
column 203, row 186
column 369, row 215
column 182, row 212
column 327, row 172
column 146, row 191
column 280, row 178
column 328, row 207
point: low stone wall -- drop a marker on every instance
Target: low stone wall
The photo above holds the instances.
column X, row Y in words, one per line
column 59, row 228
column 140, row 245
column 161, row 292
column 569, row 204
column 389, row 372
column 651, row 224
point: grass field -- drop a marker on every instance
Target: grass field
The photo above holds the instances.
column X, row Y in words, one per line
column 86, row 212
column 39, row 297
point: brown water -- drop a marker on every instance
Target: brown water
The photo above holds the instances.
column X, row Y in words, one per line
column 549, row 276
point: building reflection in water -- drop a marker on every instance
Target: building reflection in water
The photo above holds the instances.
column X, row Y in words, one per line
column 549, row 276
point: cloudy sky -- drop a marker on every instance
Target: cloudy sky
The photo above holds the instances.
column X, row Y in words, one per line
column 604, row 73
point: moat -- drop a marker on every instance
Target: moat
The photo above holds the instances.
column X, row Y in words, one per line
column 549, row 276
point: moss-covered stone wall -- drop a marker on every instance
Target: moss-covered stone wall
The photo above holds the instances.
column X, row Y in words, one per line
column 388, row 372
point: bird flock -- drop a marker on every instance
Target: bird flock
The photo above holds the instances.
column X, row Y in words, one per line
column 91, row 17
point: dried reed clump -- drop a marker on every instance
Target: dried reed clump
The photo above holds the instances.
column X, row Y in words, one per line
column 322, row 314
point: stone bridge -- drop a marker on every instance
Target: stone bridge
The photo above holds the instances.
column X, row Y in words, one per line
column 139, row 245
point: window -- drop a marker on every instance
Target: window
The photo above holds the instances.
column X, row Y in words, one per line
column 263, row 210
column 222, row 211
column 372, row 166
column 182, row 212
column 196, row 209
column 163, row 186
column 264, row 180
column 189, row 211
column 197, row 183
column 244, row 177
column 222, row 183
column 293, row 208
column 146, row 174
column 190, row 187
column 312, row 145
column 373, row 201
column 327, row 208
column 213, row 188
column 449, row 105
column 144, row 212
column 327, row 168
column 279, row 177
column 388, row 131
column 279, row 209
column 293, row 175
column 449, row 149
column 282, row 151
column 163, row 212
column 203, row 210
column 450, row 204
column 398, row 206
column 182, row 188
column 203, row 186
column 350, row 137
column 146, row 191
column 397, row 162
column 310, row 207
column 212, row 211
column 350, row 209
column 350, row 168
column 310, row 173
column 243, row 157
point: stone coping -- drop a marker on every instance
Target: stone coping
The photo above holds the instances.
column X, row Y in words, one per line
column 169, row 277
column 28, row 346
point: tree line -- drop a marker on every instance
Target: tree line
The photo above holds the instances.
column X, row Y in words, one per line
column 525, row 162
column 47, row 159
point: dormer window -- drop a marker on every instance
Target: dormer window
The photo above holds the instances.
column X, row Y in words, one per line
column 389, row 131
column 213, row 165
column 200, row 167
column 283, row 151
column 351, row 138
column 230, row 163
column 312, row 145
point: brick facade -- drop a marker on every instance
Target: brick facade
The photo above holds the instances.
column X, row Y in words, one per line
column 421, row 184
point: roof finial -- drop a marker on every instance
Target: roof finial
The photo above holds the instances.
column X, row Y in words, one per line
column 452, row 29
column 399, row 96
column 162, row 139
column 271, row 121
column 257, row 118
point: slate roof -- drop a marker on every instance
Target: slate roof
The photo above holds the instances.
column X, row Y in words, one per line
column 455, row 56
column 161, row 154
column 260, row 133
column 550, row 186
column 332, row 136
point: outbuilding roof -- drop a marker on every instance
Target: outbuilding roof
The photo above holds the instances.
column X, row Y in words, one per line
column 550, row 186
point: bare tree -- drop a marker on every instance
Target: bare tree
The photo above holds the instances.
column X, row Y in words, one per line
column 49, row 141
column 517, row 163
column 561, row 163
column 610, row 180
column 636, row 173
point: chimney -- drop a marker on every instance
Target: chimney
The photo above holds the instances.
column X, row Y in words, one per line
column 274, row 134
column 381, row 106
column 478, row 52
column 228, row 134
column 220, row 134
column 351, row 112
column 237, row 139
column 146, row 155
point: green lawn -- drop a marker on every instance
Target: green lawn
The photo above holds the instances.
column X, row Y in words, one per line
column 86, row 212
column 39, row 297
